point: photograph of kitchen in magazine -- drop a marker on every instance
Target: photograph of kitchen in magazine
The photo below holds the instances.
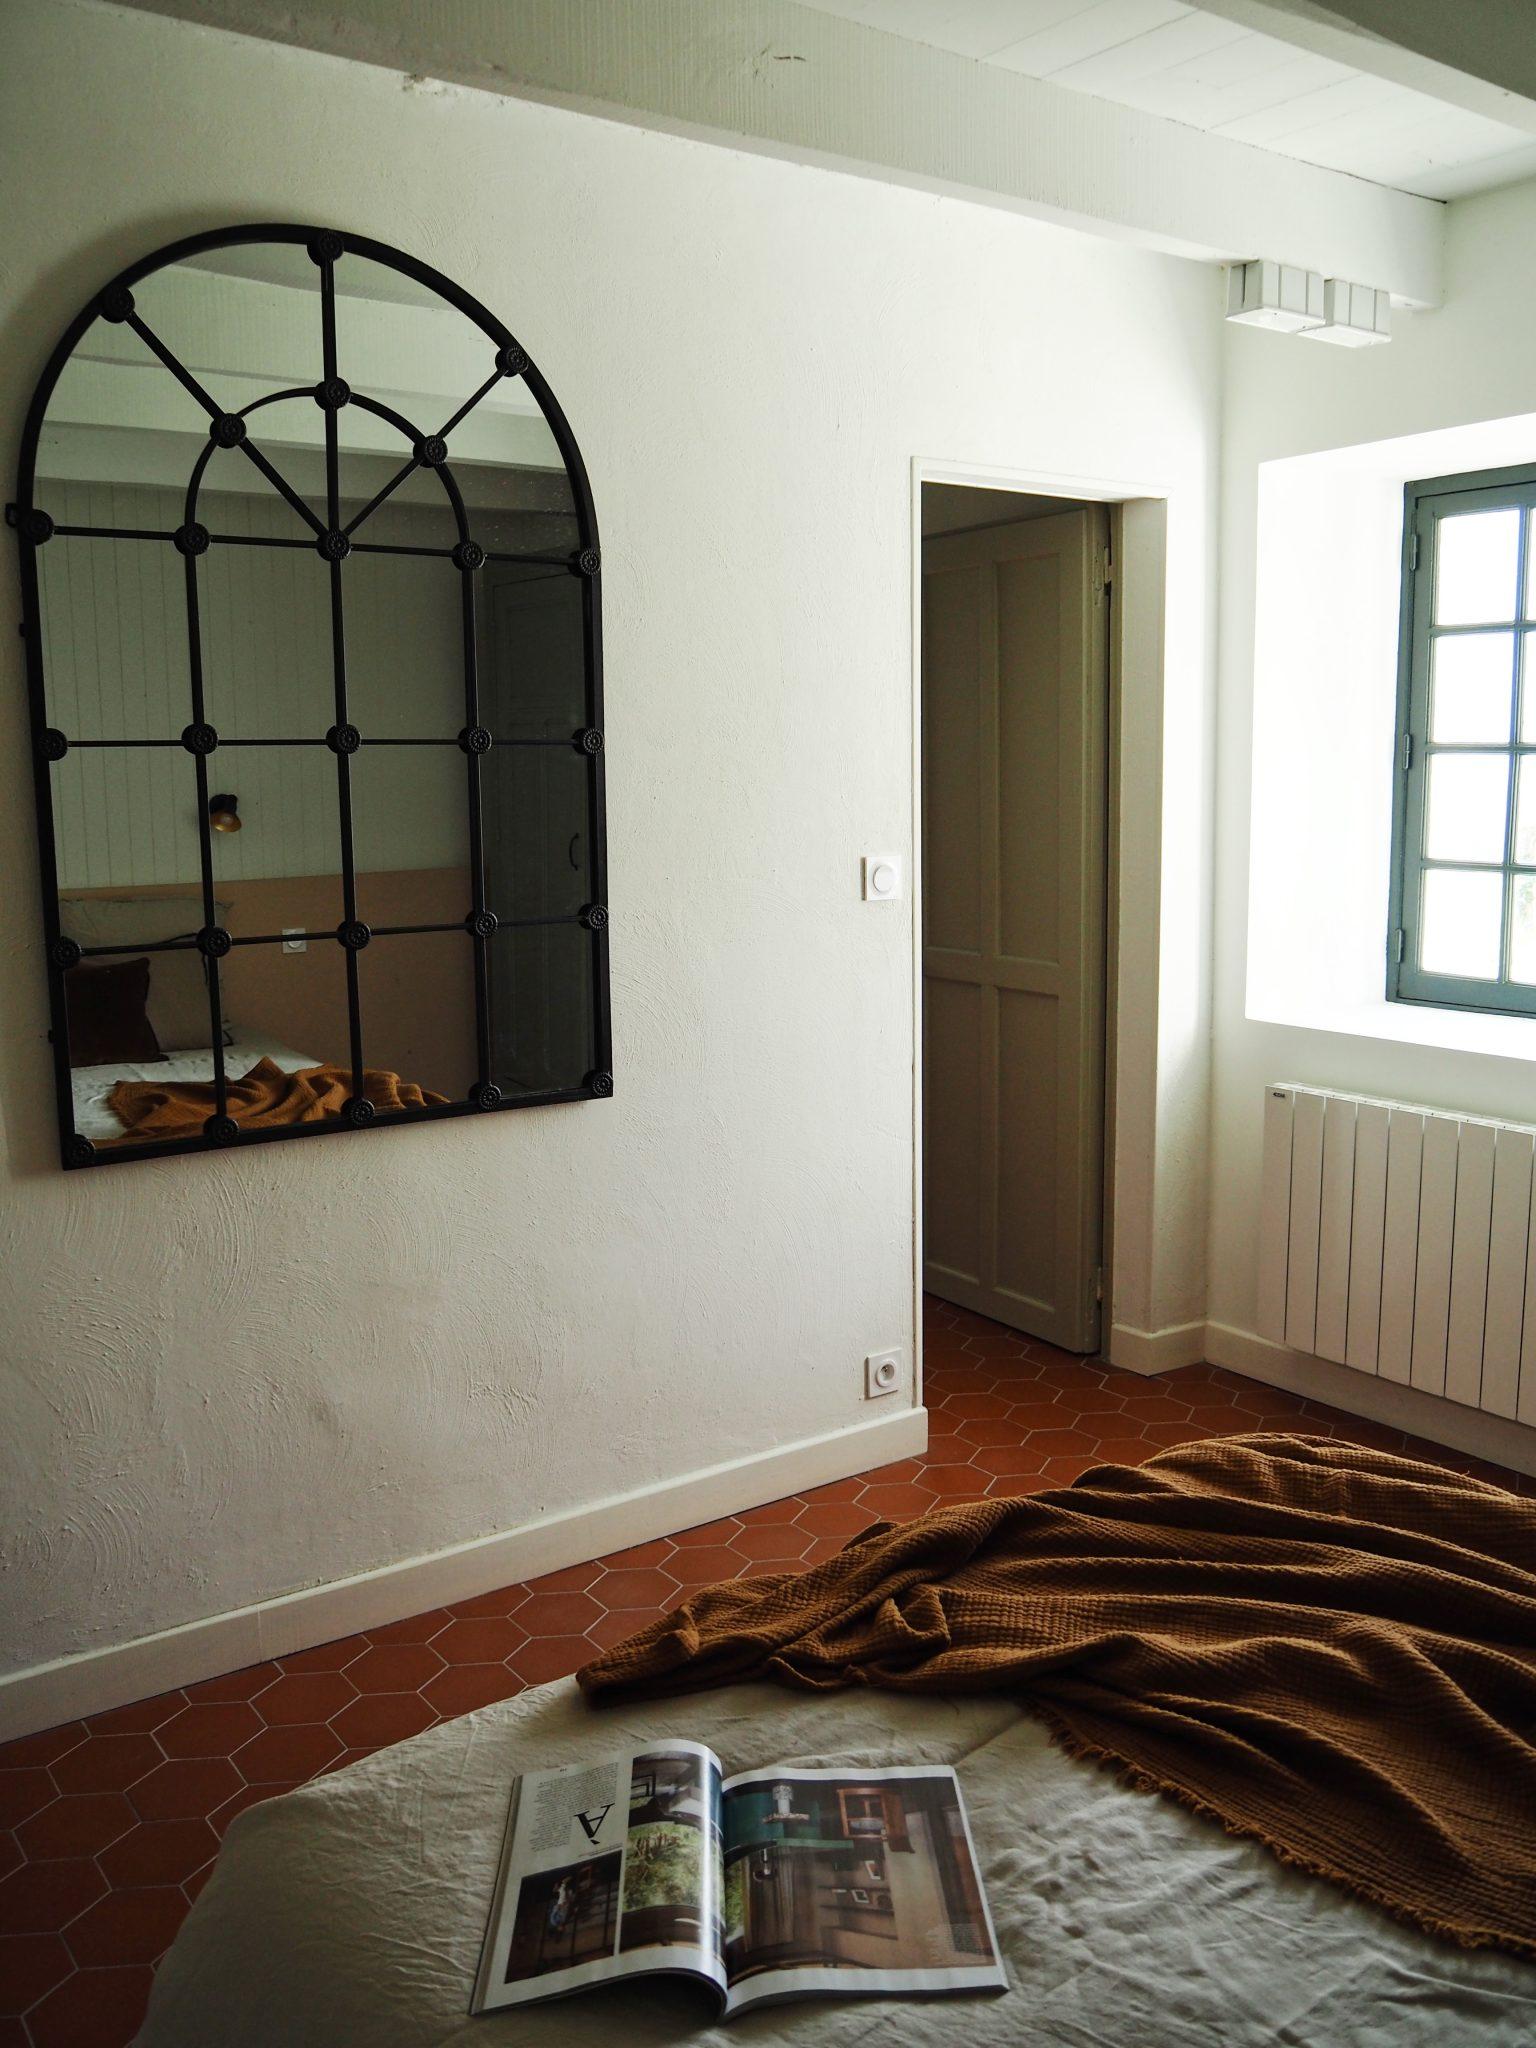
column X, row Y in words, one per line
column 778, row 1883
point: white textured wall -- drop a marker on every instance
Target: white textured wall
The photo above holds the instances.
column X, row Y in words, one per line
column 226, row 1377
column 1470, row 361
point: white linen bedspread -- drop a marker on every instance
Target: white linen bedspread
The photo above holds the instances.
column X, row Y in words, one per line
column 351, row 1912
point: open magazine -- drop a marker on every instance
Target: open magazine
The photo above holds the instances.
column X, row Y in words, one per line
column 773, row 1884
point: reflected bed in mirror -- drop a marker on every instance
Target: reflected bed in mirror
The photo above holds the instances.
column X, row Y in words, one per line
column 311, row 578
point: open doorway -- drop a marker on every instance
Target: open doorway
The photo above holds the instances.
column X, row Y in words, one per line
column 1015, row 683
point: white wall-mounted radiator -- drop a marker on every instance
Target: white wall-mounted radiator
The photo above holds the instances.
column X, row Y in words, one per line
column 1401, row 1241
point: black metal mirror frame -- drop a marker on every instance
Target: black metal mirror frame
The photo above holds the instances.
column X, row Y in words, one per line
column 333, row 541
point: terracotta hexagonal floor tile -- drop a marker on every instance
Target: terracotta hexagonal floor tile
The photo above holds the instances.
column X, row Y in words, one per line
column 235, row 1685
column 978, row 1433
column 1003, row 1460
column 783, row 1510
column 835, row 1490
column 463, row 1687
column 40, row 1898
column 139, row 1717
column 190, row 1785
column 705, row 1533
column 102, row 2007
column 901, row 1473
column 639, row 1556
column 1060, row 1471
column 30, row 1966
column 194, row 1884
column 835, row 1519
column 947, row 1447
column 703, row 1567
column 23, row 1793
column 1063, row 1443
column 127, row 1926
column 10, row 1855
column 614, row 1629
column 1123, row 1450
column 286, row 1755
column 323, row 1656
column 651, row 1588
column 159, row 1852
column 786, row 1540
column 211, row 1728
column 1163, row 1435
column 548, row 1657
column 575, row 1578
column 106, row 1763
column 304, row 1698
column 898, row 1503
column 382, row 1718
column 78, row 1825
column 954, row 1482
column 492, row 1606
column 416, row 1628
column 28, row 1752
column 489, row 1640
column 557, row 1614
column 396, row 1667
column 248, row 1795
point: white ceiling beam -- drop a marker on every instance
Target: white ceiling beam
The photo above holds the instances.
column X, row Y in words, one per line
column 1479, row 55
column 787, row 81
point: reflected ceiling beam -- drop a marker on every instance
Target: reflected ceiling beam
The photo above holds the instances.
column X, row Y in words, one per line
column 1476, row 54
column 786, row 81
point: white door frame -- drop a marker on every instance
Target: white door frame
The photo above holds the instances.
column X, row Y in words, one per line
column 1138, row 533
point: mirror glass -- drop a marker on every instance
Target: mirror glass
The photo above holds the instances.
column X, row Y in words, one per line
column 317, row 663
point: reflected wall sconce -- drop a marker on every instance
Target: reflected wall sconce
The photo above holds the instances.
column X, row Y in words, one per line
column 224, row 812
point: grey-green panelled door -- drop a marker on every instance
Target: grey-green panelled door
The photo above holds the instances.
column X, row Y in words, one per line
column 1015, row 664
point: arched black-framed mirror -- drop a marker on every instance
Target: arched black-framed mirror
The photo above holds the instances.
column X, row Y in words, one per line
column 311, row 590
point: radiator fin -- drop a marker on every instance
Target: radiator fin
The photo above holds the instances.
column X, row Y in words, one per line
column 1401, row 1241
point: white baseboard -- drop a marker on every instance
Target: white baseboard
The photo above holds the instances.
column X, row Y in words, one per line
column 94, row 1680
column 1385, row 1401
column 1153, row 1351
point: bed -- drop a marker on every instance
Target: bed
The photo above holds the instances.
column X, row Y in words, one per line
column 351, row 1911
column 92, row 1085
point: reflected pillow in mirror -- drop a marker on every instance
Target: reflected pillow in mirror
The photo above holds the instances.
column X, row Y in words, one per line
column 178, row 989
column 108, row 1025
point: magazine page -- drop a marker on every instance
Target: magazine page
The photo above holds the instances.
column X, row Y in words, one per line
column 852, row 1882
column 609, row 1870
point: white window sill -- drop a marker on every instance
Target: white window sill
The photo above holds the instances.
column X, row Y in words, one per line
column 1510, row 1038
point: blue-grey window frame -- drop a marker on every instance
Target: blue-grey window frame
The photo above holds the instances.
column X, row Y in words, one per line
column 1425, row 503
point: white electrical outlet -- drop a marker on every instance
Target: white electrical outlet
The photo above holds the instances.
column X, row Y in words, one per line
column 882, row 1374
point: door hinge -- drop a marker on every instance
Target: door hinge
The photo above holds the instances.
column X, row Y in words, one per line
column 1413, row 552
column 1098, row 1283
column 1104, row 574
column 1399, row 945
column 1405, row 751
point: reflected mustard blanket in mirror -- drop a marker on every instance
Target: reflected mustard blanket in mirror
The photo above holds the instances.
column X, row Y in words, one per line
column 265, row 1097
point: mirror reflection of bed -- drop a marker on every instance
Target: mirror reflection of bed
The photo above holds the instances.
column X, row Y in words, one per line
column 119, row 443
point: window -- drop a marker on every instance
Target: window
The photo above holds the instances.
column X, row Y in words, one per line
column 1463, row 924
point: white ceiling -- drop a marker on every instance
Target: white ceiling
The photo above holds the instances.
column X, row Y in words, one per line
column 1193, row 66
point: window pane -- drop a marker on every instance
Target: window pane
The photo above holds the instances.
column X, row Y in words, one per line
column 1525, row 812
column 1522, row 930
column 1461, row 925
column 1468, row 796
column 1527, row 687
column 1472, row 678
column 1475, row 567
